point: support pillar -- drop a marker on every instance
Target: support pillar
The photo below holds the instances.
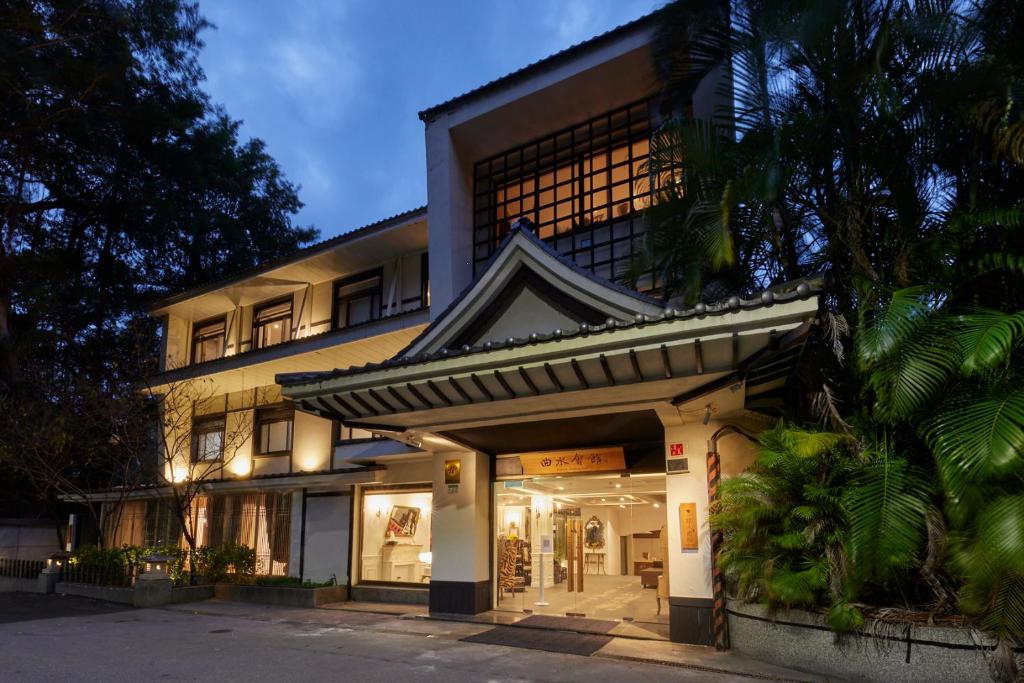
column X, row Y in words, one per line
column 691, row 592
column 460, row 580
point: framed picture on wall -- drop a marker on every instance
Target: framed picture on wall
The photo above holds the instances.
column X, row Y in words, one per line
column 403, row 521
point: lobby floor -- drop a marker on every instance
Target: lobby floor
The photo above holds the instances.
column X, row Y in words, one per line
column 603, row 597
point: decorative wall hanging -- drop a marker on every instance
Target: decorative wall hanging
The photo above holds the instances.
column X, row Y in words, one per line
column 403, row 521
column 594, row 533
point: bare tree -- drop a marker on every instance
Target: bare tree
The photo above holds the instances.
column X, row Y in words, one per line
column 66, row 452
column 199, row 440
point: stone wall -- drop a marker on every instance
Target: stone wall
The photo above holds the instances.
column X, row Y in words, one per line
column 894, row 654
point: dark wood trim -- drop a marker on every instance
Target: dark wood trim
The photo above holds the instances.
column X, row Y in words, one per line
column 579, row 373
column 398, row 397
column 364, row 404
column 460, row 597
column 529, row 382
column 418, row 396
column 380, row 399
column 504, row 385
column 458, row 388
column 698, row 355
column 553, row 377
column 636, row 365
column 665, row 362
column 441, row 395
column 480, row 386
column 607, row 370
column 345, row 405
column 352, row 279
column 302, row 539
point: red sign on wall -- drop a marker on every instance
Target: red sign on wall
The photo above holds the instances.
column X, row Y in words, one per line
column 676, row 450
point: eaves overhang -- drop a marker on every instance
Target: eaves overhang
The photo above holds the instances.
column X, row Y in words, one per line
column 649, row 359
column 541, row 66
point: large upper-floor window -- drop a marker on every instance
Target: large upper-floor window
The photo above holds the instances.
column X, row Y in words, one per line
column 274, row 426
column 208, row 438
column 357, row 299
column 272, row 323
column 208, row 340
column 583, row 187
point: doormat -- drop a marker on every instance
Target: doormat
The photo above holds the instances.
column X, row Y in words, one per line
column 536, row 639
column 568, row 623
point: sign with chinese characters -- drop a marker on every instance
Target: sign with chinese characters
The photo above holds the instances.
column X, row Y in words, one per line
column 677, row 450
column 688, row 525
column 452, row 471
column 573, row 460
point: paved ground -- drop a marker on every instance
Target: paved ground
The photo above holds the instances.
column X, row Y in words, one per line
column 46, row 638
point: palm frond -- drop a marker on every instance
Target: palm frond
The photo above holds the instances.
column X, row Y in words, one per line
column 987, row 337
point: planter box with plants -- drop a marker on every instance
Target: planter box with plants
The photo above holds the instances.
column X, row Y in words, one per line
column 285, row 591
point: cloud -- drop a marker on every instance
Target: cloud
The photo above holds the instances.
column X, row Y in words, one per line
column 573, row 21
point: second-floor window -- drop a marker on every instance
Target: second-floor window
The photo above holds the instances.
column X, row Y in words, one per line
column 208, row 340
column 208, row 438
column 357, row 299
column 272, row 323
column 584, row 188
column 343, row 432
column 274, row 426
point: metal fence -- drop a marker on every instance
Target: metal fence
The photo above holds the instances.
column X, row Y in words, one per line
column 100, row 575
column 21, row 569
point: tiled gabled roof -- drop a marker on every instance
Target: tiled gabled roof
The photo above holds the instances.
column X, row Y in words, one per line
column 296, row 255
column 781, row 294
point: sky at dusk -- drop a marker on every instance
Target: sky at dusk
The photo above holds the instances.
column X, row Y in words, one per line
column 333, row 87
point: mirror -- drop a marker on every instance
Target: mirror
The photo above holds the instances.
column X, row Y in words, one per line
column 403, row 521
column 593, row 533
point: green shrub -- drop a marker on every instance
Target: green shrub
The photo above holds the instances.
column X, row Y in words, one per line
column 292, row 582
column 229, row 562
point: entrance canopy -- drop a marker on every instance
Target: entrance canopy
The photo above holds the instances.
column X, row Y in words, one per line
column 535, row 336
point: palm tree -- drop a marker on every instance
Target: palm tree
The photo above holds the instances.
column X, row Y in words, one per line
column 955, row 373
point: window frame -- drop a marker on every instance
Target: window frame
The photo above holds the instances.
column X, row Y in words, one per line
column 360, row 505
column 271, row 414
column 257, row 325
column 198, row 325
column 377, row 310
column 553, row 180
column 198, row 430
column 337, row 426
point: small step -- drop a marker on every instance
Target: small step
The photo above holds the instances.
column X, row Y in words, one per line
column 395, row 594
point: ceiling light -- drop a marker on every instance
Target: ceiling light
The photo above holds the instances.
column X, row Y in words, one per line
column 657, row 505
column 561, row 488
column 618, row 486
column 620, row 498
column 603, row 499
column 623, row 507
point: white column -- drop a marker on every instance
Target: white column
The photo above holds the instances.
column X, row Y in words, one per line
column 460, row 576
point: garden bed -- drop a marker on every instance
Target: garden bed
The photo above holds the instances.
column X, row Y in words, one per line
column 285, row 596
column 881, row 652
column 120, row 594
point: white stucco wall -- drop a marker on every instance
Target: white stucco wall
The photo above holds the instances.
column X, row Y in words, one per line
column 460, row 526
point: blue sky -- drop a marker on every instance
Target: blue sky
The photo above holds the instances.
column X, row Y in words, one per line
column 333, row 87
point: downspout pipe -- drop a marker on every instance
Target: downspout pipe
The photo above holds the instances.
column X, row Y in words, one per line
column 719, row 621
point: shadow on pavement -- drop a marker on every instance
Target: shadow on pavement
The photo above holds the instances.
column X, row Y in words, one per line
column 30, row 606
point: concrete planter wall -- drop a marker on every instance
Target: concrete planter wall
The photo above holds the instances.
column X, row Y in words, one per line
column 802, row 640
column 124, row 596
column 181, row 594
column 10, row 584
column 281, row 595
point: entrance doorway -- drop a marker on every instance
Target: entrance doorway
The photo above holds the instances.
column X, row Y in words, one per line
column 589, row 546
